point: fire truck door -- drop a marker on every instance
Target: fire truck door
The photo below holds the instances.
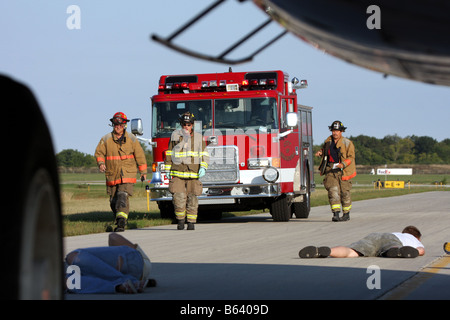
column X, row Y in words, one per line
column 289, row 144
column 305, row 139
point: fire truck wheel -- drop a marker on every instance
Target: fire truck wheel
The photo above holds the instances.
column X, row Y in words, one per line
column 280, row 209
column 32, row 233
column 301, row 209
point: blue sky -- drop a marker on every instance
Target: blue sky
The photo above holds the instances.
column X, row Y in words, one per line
column 81, row 77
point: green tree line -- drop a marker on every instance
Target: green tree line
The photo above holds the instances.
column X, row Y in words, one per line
column 393, row 149
column 75, row 158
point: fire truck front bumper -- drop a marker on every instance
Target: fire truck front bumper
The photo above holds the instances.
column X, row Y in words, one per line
column 229, row 191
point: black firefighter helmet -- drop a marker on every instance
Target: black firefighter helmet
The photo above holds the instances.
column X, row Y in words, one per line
column 187, row 117
column 337, row 125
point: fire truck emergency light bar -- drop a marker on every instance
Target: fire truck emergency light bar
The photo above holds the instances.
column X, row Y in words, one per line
column 187, row 87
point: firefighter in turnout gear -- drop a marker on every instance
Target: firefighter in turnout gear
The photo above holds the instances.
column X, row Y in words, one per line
column 338, row 166
column 119, row 155
column 186, row 161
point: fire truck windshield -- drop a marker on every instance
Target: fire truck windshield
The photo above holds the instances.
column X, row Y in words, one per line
column 259, row 114
column 166, row 116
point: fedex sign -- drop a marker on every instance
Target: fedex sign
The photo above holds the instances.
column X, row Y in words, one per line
column 394, row 171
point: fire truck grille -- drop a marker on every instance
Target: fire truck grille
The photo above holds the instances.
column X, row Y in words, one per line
column 223, row 165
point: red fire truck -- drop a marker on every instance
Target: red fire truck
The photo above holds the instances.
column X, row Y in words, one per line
column 258, row 138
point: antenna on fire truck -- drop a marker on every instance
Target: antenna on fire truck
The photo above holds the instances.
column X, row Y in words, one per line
column 221, row 58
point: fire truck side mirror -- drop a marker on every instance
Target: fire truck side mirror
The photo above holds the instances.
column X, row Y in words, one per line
column 136, row 127
column 291, row 119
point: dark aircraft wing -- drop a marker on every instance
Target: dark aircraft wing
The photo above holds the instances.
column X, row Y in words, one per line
column 412, row 41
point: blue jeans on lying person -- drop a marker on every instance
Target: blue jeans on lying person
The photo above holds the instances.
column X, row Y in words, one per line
column 99, row 268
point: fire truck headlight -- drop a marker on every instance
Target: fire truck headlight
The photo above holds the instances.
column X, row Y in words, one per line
column 270, row 174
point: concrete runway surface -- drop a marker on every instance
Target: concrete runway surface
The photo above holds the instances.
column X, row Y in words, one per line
column 254, row 258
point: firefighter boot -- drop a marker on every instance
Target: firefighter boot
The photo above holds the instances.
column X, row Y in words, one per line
column 180, row 225
column 345, row 216
column 121, row 223
column 191, row 226
column 336, row 216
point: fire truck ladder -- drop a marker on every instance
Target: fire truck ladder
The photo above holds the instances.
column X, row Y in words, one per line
column 221, row 58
